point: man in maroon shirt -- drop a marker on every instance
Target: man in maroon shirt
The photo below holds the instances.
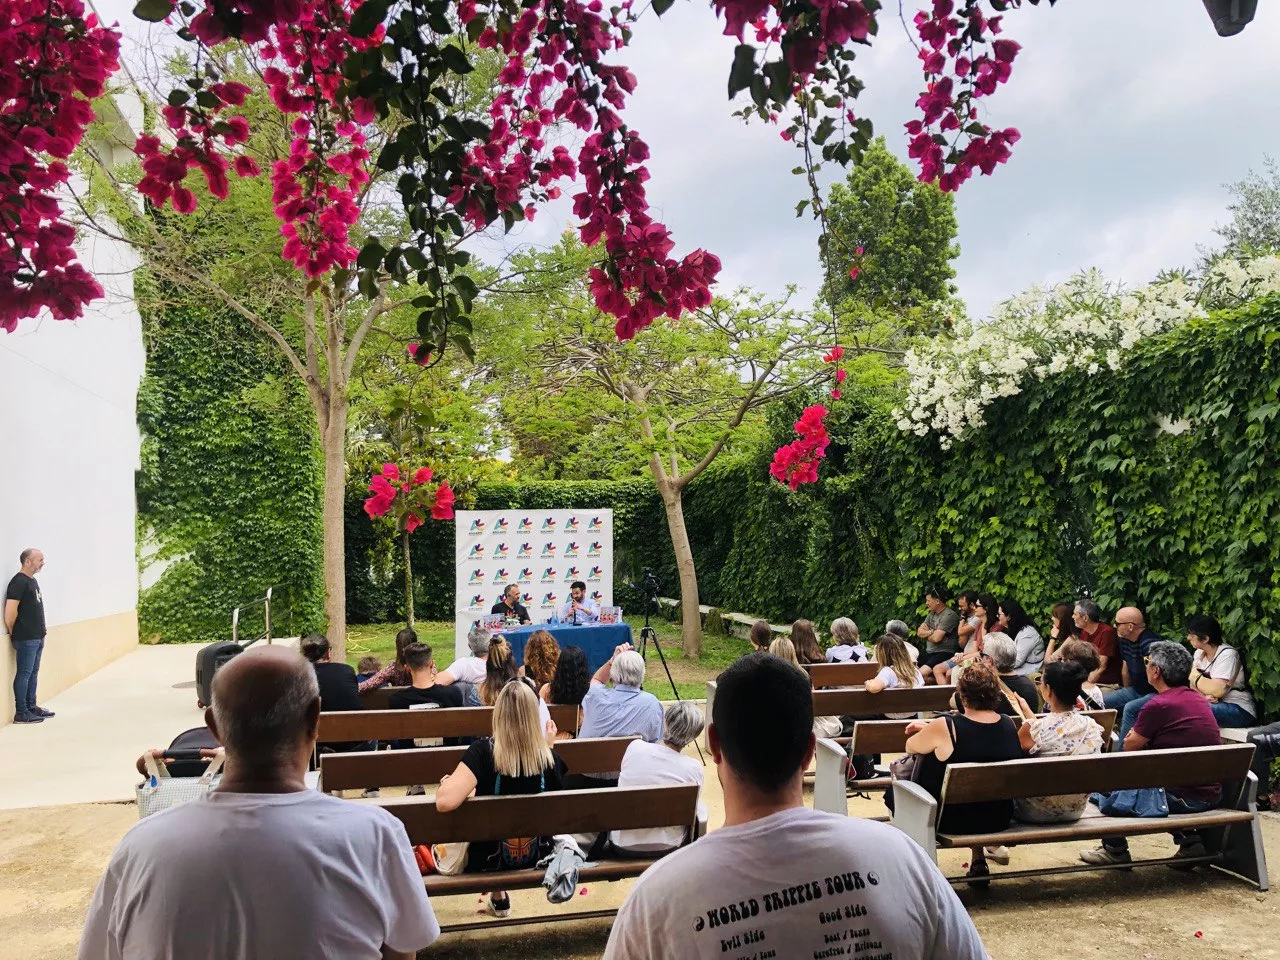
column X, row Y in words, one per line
column 1088, row 619
column 1175, row 717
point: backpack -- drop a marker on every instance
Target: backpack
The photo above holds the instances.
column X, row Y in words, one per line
column 519, row 853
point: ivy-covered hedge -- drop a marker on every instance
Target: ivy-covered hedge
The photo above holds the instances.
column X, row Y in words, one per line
column 230, row 481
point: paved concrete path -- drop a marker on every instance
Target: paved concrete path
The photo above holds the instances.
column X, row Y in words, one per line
column 86, row 753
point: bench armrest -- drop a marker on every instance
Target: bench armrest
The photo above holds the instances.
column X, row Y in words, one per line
column 829, row 792
column 915, row 813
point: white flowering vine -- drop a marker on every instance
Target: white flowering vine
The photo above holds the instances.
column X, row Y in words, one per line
column 1085, row 324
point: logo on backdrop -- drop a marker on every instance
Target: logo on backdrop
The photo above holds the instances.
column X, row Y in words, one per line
column 477, row 602
column 526, row 525
column 477, row 552
column 595, row 524
column 597, row 596
column 595, row 549
column 525, row 574
column 500, row 552
column 571, row 524
column 549, row 575
column 477, row 576
column 595, row 574
column 571, row 550
column 477, row 526
column 501, row 574
column 526, row 598
column 549, row 525
column 550, row 599
column 501, row 525
column 526, row 550
column 548, row 549
column 572, row 573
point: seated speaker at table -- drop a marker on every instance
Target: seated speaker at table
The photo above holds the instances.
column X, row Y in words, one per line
column 579, row 608
column 509, row 604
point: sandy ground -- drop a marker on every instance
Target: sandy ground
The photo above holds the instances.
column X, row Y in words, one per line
column 51, row 858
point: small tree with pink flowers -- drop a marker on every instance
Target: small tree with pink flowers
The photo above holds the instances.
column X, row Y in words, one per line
column 408, row 497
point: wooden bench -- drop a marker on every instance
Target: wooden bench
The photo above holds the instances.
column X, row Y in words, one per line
column 544, row 814
column 830, row 788
column 1230, row 833
column 824, row 675
column 357, row 725
column 400, row 768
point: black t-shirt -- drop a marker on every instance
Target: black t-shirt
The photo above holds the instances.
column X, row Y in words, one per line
column 441, row 696
column 479, row 760
column 518, row 611
column 30, row 622
column 338, row 687
column 1024, row 688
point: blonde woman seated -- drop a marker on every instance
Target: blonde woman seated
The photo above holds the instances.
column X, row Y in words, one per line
column 784, row 649
column 517, row 759
column 1062, row 732
column 897, row 671
column 655, row 764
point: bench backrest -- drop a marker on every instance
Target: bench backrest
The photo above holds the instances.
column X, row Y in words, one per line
column 547, row 814
column 344, row 725
column 858, row 702
column 841, row 674
column 398, row 768
column 890, row 736
column 1049, row 776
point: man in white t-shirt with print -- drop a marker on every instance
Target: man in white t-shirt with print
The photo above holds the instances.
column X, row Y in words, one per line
column 262, row 866
column 780, row 879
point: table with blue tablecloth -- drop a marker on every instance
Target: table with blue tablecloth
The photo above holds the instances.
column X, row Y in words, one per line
column 597, row 640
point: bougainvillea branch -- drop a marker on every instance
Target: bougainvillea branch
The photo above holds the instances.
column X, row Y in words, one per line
column 409, row 496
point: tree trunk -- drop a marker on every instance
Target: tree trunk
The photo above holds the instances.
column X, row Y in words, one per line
column 408, row 580
column 691, row 628
column 333, row 438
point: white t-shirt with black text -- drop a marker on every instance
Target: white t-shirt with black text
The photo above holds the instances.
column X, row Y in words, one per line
column 235, row 876
column 799, row 883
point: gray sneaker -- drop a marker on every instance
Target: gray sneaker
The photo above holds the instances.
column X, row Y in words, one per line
column 28, row 718
column 1101, row 856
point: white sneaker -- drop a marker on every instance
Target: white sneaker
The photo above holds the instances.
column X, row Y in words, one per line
column 998, row 854
column 371, row 793
column 1100, row 856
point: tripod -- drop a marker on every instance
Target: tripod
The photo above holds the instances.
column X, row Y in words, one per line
column 647, row 633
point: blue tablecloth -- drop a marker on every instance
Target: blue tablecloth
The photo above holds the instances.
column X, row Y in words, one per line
column 597, row 640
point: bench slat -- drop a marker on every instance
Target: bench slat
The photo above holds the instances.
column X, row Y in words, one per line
column 1088, row 828
column 1050, row 776
column 841, row 674
column 398, row 768
column 858, row 702
column 890, row 736
column 546, row 814
column 603, row 871
column 345, row 725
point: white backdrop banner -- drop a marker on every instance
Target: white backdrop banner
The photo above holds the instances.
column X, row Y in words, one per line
column 541, row 551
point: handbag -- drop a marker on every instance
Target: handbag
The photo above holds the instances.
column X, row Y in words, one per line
column 1150, row 802
column 451, row 858
column 161, row 791
column 908, row 766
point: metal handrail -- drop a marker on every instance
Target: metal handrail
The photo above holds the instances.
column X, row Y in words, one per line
column 235, row 619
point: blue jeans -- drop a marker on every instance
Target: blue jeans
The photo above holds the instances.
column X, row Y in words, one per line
column 1232, row 715
column 1182, row 838
column 24, row 681
column 1129, row 712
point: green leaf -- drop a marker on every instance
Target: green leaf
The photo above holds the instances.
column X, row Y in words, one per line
column 365, row 20
column 153, row 11
column 463, row 343
column 178, row 97
column 743, row 69
column 371, row 255
column 456, row 60
column 661, row 6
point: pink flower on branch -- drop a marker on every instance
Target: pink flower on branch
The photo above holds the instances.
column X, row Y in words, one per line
column 797, row 462
column 409, row 500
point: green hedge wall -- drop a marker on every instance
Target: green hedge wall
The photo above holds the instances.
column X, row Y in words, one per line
column 229, row 487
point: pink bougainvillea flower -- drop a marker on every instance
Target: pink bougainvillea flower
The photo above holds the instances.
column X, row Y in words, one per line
column 853, row 272
column 419, row 355
column 443, row 507
column 391, row 472
column 421, row 475
column 835, row 394
column 841, row 375
column 412, row 522
column 834, row 354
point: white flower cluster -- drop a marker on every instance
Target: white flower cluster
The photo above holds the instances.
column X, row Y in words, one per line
column 1084, row 324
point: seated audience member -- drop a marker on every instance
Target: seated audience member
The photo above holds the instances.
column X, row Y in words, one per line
column 761, row 740
column 579, row 608
column 784, row 649
column 500, row 668
column 367, row 667
column 985, row 610
column 1077, row 651
column 900, row 630
column 761, row 636
column 1088, row 621
column 847, row 646
column 570, row 681
column 424, row 684
column 241, row 872
column 621, row 710
column 805, row 639
column 1134, row 639
column 1061, row 732
column 656, row 764
column 338, row 687
column 1000, row 649
column 1014, row 621
column 517, row 759
column 1266, row 747
column 470, row 669
column 938, row 631
column 509, row 605
column 978, row 734
column 1062, row 616
column 896, row 671
column 1218, row 673
column 1176, row 717
column 395, row 673
column 541, row 653
column 965, row 601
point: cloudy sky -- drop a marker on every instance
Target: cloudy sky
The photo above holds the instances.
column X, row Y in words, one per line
column 1133, row 114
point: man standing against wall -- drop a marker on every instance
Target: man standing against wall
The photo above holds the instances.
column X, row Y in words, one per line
column 24, row 622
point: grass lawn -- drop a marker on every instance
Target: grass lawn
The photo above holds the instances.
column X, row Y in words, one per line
column 690, row 676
